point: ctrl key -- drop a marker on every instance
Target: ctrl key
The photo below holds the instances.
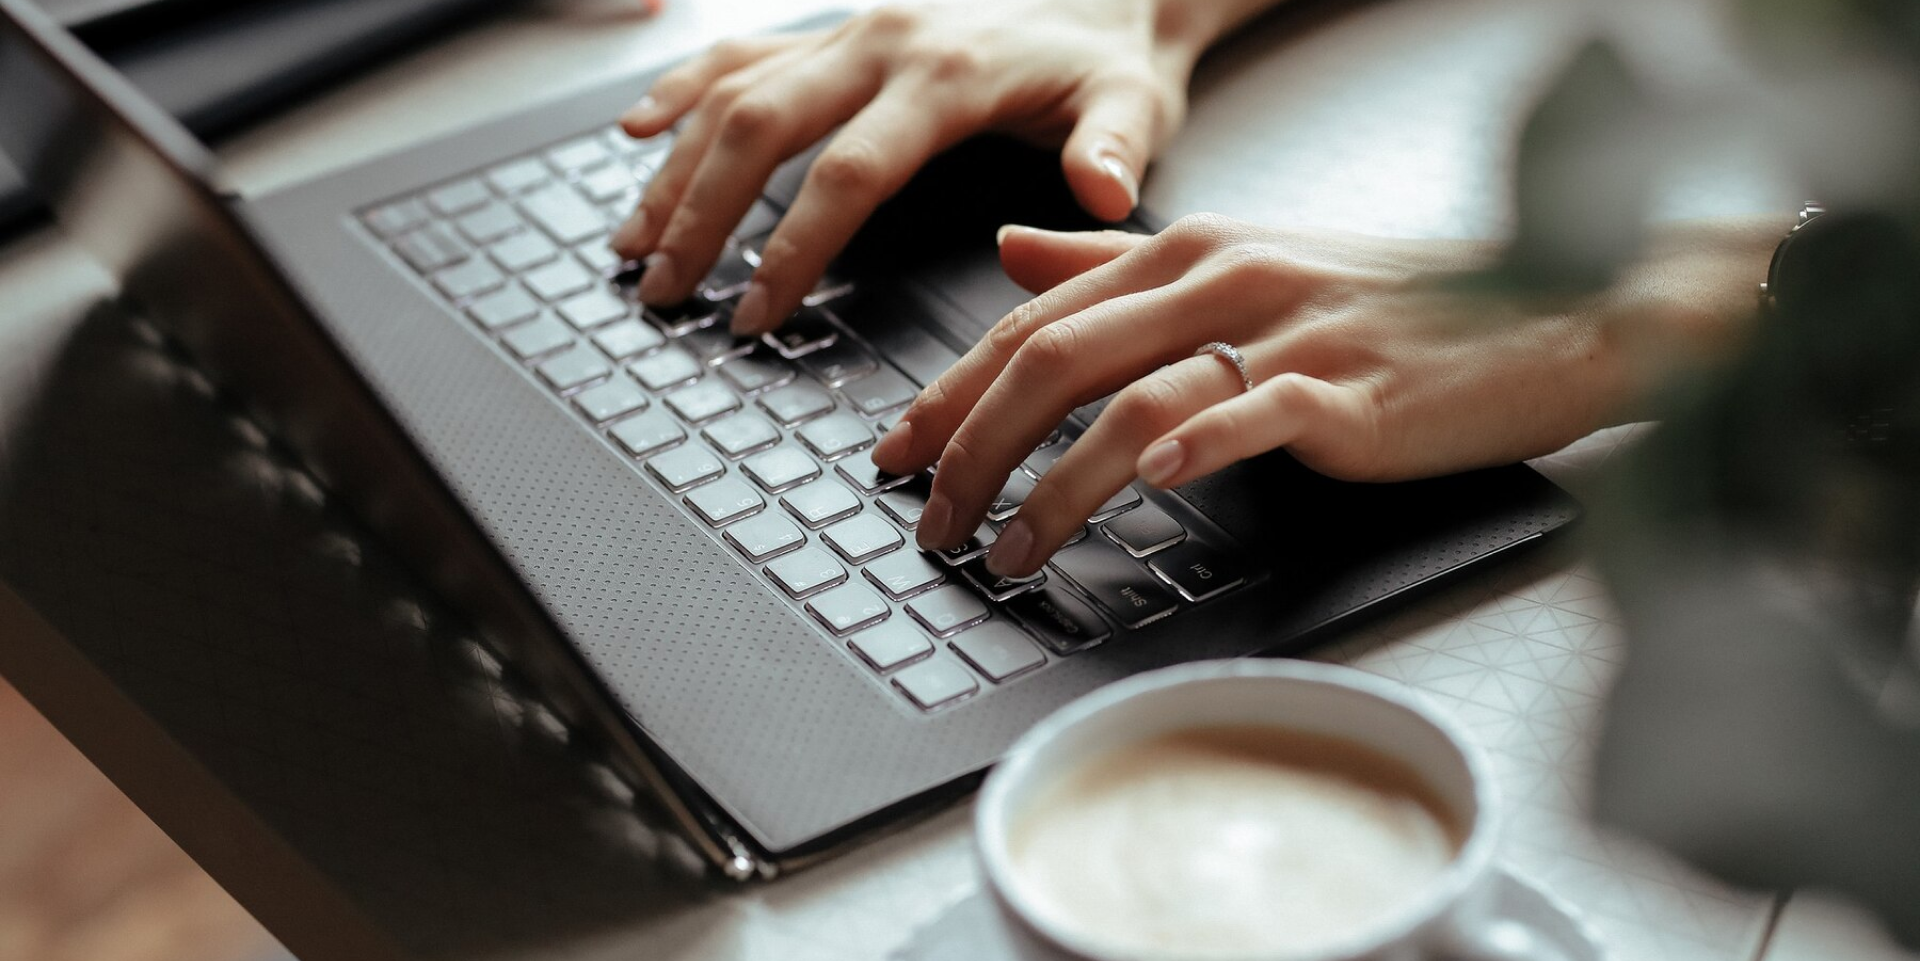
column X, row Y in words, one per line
column 934, row 683
column 1198, row 570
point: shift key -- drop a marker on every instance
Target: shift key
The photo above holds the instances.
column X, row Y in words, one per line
column 1116, row 582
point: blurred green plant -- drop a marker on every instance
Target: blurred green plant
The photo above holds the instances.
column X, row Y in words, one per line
column 1763, row 544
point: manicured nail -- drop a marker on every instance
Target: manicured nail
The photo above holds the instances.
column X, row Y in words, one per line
column 750, row 314
column 1010, row 555
column 935, row 518
column 641, row 111
column 1161, row 462
column 657, row 283
column 1000, row 236
column 894, row 444
column 1123, row 175
column 627, row 238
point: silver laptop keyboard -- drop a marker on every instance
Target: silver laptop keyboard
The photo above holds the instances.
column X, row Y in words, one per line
column 764, row 441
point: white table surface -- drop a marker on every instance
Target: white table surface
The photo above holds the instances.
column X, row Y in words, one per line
column 1392, row 118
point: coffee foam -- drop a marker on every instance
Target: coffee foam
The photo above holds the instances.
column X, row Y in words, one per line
column 1230, row 842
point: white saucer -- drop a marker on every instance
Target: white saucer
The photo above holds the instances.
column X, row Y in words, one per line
column 972, row 930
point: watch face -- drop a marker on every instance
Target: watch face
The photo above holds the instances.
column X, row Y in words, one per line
column 1844, row 261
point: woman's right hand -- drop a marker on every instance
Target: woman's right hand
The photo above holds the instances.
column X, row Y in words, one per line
column 1104, row 79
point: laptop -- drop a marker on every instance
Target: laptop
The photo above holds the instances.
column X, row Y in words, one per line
column 678, row 533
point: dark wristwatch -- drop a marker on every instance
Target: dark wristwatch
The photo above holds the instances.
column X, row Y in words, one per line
column 1776, row 276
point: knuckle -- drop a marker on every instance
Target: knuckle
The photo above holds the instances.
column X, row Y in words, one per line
column 891, row 20
column 849, row 167
column 1051, row 350
column 1249, row 262
column 730, row 50
column 1203, row 229
column 1005, row 337
column 751, row 119
column 948, row 62
column 1152, row 405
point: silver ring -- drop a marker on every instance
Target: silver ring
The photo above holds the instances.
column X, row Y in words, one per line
column 1231, row 355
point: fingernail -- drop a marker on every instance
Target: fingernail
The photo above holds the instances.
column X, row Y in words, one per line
column 1161, row 462
column 628, row 236
column 894, row 444
column 935, row 518
column 1009, row 556
column 750, row 314
column 657, row 283
column 1123, row 175
column 1000, row 236
column 641, row 111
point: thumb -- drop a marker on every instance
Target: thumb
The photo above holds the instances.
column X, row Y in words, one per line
column 1041, row 260
column 1107, row 153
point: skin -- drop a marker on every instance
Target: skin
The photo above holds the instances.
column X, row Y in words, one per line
column 1364, row 368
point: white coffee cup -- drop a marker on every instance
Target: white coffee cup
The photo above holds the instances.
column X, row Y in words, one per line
column 1456, row 916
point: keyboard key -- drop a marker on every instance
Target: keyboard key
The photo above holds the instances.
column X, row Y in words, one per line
column 1126, row 498
column 1062, row 620
column 598, row 257
column 691, row 314
column 983, row 538
column 903, row 574
column 647, row 433
column 879, row 392
column 615, row 398
column 780, row 468
column 729, row 276
column 396, row 218
column 820, row 503
column 559, row 280
column 577, row 155
column 802, row 334
column 685, row 467
column 560, row 211
column 724, row 501
column 934, row 683
column 607, row 184
column 859, row 471
column 1116, row 582
column 1042, row 460
column 716, row 344
column 668, row 368
column 593, row 308
column 758, row 222
column 999, row 651
column 535, row 337
column 431, row 248
column 489, row 223
column 469, row 279
column 904, row 505
column 838, row 362
column 947, row 610
column 702, row 402
column 766, row 536
column 890, row 645
column 741, row 434
column 509, row 305
column 523, row 251
column 756, row 372
column 795, row 403
column 517, row 176
column 998, row 588
column 1012, row 494
column 628, row 338
column 806, row 571
column 458, row 197
column 1145, row 529
column 846, row 608
column 571, row 368
column 835, row 435
column 1198, row 570
column 862, row 538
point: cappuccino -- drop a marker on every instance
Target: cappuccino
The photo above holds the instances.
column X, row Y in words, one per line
column 1230, row 842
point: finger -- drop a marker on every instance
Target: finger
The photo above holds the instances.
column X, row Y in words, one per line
column 1041, row 260
column 923, row 431
column 869, row 160
column 761, row 128
column 1318, row 420
column 1102, row 461
column 1062, row 366
column 636, row 238
column 1120, row 127
column 680, row 89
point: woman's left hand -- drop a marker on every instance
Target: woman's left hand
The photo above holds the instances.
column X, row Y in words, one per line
column 1363, row 370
